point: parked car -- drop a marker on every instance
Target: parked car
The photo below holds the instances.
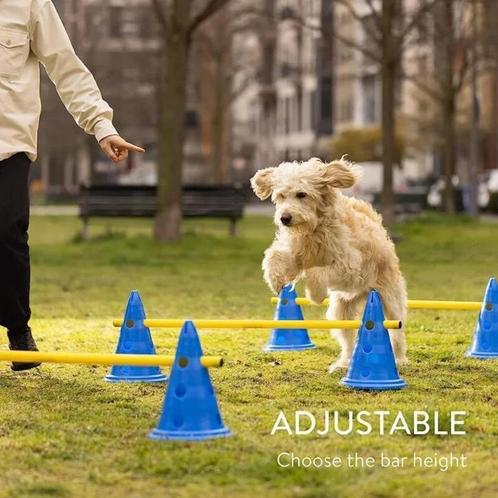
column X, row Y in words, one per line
column 409, row 196
column 487, row 192
column 435, row 194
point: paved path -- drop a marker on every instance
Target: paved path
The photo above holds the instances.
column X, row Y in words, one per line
column 262, row 209
column 54, row 210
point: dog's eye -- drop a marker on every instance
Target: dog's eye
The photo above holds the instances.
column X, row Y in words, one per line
column 301, row 195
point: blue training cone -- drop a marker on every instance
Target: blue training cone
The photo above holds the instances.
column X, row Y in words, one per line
column 288, row 339
column 190, row 410
column 135, row 338
column 485, row 342
column 373, row 366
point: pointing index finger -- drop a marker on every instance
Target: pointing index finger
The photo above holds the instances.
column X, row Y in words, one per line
column 133, row 148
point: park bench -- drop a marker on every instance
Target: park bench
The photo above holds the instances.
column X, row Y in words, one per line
column 109, row 201
column 405, row 202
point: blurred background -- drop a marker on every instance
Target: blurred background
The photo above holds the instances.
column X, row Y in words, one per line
column 216, row 89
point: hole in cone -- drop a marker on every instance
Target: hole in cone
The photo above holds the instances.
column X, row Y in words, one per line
column 370, row 324
column 130, row 323
column 489, row 306
column 284, row 301
column 375, row 359
column 183, row 362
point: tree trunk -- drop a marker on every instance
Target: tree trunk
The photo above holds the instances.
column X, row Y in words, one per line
column 167, row 226
column 267, row 90
column 449, row 106
column 473, row 168
column 388, row 78
column 449, row 154
column 218, row 124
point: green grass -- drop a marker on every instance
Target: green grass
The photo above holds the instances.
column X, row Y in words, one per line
column 64, row 432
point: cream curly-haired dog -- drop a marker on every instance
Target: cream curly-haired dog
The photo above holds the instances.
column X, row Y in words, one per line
column 335, row 243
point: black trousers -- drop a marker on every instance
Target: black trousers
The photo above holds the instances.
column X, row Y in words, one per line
column 14, row 249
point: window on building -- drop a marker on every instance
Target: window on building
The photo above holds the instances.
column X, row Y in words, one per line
column 115, row 13
column 346, row 110
column 123, row 22
column 344, row 52
column 423, row 65
column 306, row 111
column 423, row 30
column 370, row 99
column 370, row 29
column 131, row 24
column 287, row 115
column 369, row 33
column 422, row 106
column 313, row 106
column 299, row 111
column 280, row 116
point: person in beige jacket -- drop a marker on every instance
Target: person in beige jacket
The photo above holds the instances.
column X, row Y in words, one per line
column 32, row 33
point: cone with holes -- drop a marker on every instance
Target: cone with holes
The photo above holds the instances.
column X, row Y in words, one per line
column 190, row 410
column 373, row 366
column 485, row 343
column 288, row 339
column 135, row 338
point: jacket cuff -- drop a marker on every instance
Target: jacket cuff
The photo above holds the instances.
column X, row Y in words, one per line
column 104, row 129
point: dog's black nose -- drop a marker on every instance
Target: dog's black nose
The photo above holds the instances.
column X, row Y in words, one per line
column 286, row 219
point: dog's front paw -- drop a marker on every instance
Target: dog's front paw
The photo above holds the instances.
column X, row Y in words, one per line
column 402, row 361
column 276, row 282
column 338, row 365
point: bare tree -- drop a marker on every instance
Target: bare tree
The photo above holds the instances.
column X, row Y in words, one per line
column 268, row 41
column 179, row 20
column 386, row 32
column 226, row 72
column 457, row 60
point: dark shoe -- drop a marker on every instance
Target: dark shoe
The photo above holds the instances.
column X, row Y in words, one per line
column 22, row 340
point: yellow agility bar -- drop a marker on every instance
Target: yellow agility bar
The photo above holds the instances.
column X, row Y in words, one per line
column 259, row 324
column 412, row 304
column 137, row 360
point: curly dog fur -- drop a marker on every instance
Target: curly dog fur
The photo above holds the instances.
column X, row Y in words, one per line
column 335, row 243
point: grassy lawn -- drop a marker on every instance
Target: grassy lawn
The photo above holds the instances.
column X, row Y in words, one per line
column 65, row 432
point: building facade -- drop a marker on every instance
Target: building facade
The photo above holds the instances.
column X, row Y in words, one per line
column 294, row 98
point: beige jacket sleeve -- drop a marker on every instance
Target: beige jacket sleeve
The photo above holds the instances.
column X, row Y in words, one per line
column 75, row 84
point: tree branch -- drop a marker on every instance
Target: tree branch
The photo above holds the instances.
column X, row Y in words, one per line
column 347, row 41
column 241, row 88
column 357, row 46
column 431, row 92
column 375, row 14
column 415, row 20
column 363, row 20
column 210, row 8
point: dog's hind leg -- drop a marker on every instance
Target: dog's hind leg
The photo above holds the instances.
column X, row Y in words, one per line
column 394, row 304
column 344, row 309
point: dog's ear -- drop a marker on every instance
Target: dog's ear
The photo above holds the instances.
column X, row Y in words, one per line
column 339, row 174
column 262, row 183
